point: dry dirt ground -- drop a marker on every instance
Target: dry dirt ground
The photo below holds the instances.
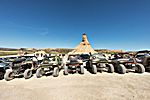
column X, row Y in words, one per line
column 102, row 86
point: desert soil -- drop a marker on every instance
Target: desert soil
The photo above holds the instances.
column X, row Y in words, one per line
column 101, row 86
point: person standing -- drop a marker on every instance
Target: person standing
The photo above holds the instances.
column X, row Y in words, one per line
column 64, row 59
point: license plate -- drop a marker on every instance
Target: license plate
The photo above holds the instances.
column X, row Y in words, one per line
column 46, row 68
column 133, row 65
column 73, row 66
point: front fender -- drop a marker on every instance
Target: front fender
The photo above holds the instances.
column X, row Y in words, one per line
column 8, row 70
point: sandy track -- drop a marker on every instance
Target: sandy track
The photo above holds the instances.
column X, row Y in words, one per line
column 102, row 86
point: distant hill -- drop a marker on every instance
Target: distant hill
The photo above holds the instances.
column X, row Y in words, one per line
column 48, row 50
column 108, row 51
column 8, row 49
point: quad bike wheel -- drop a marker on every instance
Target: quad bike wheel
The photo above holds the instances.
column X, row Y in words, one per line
column 56, row 72
column 1, row 75
column 94, row 69
column 81, row 69
column 121, row 69
column 88, row 65
column 39, row 72
column 139, row 68
column 27, row 73
column 9, row 75
column 110, row 68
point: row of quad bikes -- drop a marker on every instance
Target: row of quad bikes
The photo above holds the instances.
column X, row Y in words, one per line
column 95, row 63
column 138, row 63
column 121, row 66
column 27, row 67
column 98, row 63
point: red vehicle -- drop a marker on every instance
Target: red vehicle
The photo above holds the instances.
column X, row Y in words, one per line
column 123, row 65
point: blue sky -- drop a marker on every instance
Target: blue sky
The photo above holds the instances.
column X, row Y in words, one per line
column 109, row 24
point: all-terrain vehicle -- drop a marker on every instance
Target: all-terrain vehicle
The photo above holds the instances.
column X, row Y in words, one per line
column 20, row 66
column 32, row 59
column 3, row 67
column 98, row 62
column 49, row 64
column 123, row 65
column 74, row 64
column 144, row 58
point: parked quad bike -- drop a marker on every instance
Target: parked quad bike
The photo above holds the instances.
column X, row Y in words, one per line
column 49, row 64
column 74, row 65
column 144, row 58
column 20, row 66
column 98, row 62
column 3, row 67
column 123, row 66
